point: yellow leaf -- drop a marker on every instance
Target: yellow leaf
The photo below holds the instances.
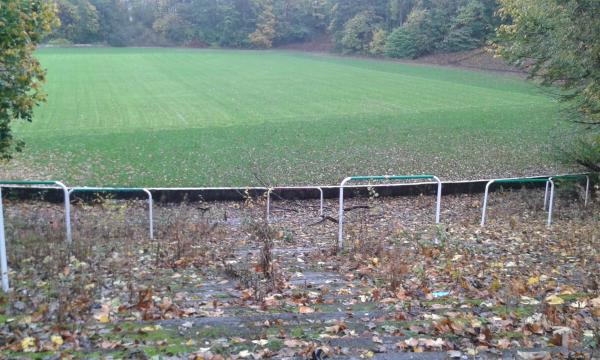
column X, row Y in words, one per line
column 151, row 328
column 344, row 292
column 103, row 318
column 28, row 344
column 534, row 280
column 554, row 300
column 57, row 340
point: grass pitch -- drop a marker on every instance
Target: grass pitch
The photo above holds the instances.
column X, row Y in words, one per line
column 178, row 117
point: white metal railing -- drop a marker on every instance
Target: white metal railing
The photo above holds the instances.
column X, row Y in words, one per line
column 24, row 184
column 385, row 177
column 517, row 181
column 570, row 177
column 123, row 190
column 548, row 201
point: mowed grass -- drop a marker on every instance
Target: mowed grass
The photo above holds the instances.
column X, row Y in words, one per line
column 178, row 117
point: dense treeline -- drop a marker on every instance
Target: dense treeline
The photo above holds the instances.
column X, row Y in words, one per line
column 396, row 28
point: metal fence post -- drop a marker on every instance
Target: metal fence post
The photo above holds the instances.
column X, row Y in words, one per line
column 67, row 195
column 550, row 206
column 438, row 206
column 341, row 214
column 150, row 217
column 321, row 208
column 3, row 256
column 485, row 200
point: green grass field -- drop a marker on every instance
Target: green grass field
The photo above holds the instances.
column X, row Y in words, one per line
column 177, row 117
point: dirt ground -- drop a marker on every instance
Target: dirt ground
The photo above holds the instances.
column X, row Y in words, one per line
column 218, row 282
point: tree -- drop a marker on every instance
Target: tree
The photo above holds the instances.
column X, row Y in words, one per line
column 264, row 34
column 23, row 25
column 399, row 10
column 558, row 42
column 79, row 22
column 358, row 32
column 413, row 39
column 299, row 20
column 377, row 45
column 401, row 44
column 469, row 28
column 349, row 17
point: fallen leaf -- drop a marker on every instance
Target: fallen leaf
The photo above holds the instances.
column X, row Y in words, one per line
column 503, row 343
column 244, row 353
column 151, row 328
column 537, row 355
column 293, row 343
column 261, row 342
column 108, row 345
column 377, row 340
column 28, row 344
column 554, row 300
column 305, row 310
column 57, row 340
column 103, row 318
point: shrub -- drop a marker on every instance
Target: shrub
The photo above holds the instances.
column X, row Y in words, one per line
column 377, row 45
column 415, row 38
column 401, row 44
column 358, row 33
column 468, row 29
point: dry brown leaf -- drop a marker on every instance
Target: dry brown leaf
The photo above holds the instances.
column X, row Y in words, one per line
column 305, row 310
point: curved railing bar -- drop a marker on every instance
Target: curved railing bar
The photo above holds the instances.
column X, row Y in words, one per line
column 117, row 190
column 516, row 181
column 150, row 212
column 384, row 177
column 567, row 177
column 14, row 184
